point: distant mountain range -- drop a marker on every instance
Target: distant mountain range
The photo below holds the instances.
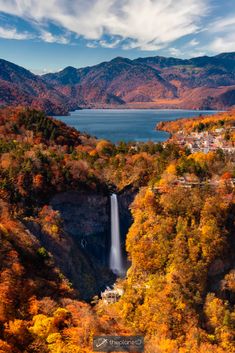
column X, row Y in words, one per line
column 153, row 82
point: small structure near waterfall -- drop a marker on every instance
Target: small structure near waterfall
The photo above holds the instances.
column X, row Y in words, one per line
column 111, row 296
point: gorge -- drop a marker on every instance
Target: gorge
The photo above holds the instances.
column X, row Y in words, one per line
column 55, row 220
column 91, row 220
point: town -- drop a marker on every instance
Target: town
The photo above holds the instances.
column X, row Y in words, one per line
column 207, row 141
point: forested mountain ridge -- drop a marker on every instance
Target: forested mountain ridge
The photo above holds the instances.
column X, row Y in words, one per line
column 152, row 82
column 179, row 291
column 19, row 86
column 198, row 83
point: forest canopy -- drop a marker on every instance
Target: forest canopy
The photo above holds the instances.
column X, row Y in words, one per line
column 179, row 291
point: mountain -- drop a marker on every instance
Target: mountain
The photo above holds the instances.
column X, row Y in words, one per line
column 119, row 81
column 152, row 82
column 198, row 83
column 19, row 86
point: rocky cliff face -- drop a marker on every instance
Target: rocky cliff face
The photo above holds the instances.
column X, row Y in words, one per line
column 71, row 260
column 86, row 218
column 125, row 200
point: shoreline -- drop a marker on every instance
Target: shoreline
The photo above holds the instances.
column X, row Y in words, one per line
column 144, row 109
column 156, row 125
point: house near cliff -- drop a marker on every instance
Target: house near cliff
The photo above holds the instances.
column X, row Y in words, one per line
column 111, row 296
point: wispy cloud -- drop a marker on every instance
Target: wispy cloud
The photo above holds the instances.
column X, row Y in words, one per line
column 12, row 33
column 175, row 52
column 222, row 32
column 146, row 24
column 44, row 71
column 92, row 45
column 109, row 44
column 194, row 42
column 51, row 38
column 223, row 24
column 221, row 44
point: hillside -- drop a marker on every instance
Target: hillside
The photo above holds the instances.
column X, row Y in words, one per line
column 199, row 83
column 55, row 183
column 154, row 82
column 20, row 87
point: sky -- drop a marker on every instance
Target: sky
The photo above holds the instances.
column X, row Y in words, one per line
column 48, row 35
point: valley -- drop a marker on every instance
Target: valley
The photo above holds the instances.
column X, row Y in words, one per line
column 117, row 176
column 177, row 228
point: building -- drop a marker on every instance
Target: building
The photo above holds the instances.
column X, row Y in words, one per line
column 111, row 296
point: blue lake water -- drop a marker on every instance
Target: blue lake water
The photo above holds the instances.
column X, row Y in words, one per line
column 126, row 125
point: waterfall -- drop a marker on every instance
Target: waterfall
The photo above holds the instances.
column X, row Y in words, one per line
column 116, row 262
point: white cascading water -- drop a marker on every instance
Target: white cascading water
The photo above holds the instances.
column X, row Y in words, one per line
column 116, row 263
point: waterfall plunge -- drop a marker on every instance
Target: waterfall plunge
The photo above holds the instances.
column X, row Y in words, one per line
column 116, row 263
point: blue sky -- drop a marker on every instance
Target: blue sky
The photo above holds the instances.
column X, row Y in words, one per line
column 48, row 35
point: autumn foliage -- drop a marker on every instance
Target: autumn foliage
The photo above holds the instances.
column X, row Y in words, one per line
column 180, row 287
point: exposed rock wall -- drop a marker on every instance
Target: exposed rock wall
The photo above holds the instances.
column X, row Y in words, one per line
column 86, row 218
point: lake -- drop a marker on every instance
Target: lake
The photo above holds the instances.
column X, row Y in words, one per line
column 126, row 125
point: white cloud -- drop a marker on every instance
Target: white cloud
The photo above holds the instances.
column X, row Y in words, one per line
column 175, row 52
column 91, row 45
column 222, row 31
column 196, row 53
column 147, row 24
column 148, row 46
column 109, row 44
column 51, row 38
column 11, row 33
column 223, row 44
column 44, row 71
column 223, row 24
column 186, row 51
column 193, row 42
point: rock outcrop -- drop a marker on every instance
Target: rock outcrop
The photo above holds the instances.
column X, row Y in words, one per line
column 84, row 249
